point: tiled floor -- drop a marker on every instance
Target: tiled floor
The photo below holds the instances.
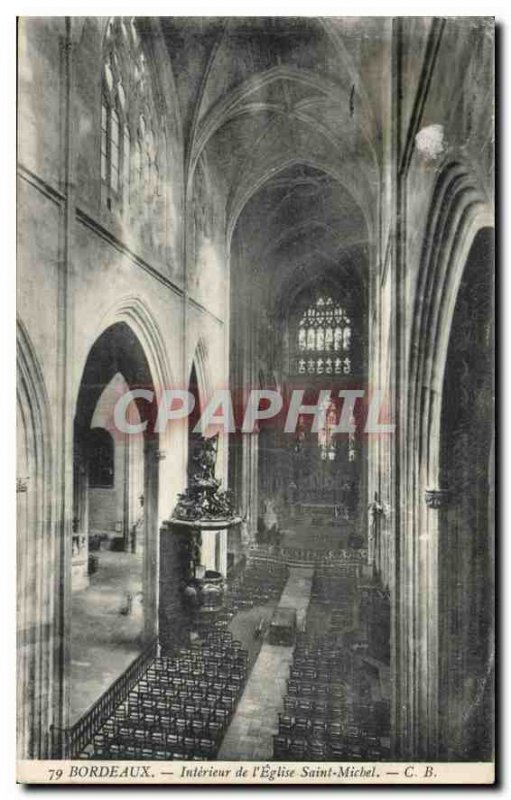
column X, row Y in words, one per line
column 105, row 641
column 250, row 734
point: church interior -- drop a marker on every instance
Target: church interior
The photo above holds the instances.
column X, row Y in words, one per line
column 255, row 203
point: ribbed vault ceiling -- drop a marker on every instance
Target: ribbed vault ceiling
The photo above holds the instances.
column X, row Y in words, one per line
column 260, row 94
column 300, row 227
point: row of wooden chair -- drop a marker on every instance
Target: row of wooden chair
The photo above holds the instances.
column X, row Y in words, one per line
column 299, row 748
column 181, row 706
column 188, row 748
column 258, row 584
column 328, row 711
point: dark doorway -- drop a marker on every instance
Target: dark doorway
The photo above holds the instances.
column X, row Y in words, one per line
column 466, row 567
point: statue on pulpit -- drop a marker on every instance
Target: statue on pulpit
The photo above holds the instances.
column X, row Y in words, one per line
column 203, row 499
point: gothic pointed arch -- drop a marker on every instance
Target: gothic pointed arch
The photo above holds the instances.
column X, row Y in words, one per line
column 35, row 548
column 136, row 312
column 458, row 211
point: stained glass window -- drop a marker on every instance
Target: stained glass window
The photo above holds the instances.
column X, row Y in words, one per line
column 324, row 340
column 126, row 165
column 104, row 140
column 114, row 151
column 131, row 130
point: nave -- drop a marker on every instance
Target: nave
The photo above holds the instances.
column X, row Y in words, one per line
column 323, row 697
column 301, row 207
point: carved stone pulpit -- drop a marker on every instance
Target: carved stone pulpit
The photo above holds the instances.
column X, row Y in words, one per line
column 191, row 596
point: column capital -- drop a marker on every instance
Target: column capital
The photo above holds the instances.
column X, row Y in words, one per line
column 22, row 485
column 437, row 498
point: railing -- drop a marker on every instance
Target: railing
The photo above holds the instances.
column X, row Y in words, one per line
column 300, row 555
column 75, row 739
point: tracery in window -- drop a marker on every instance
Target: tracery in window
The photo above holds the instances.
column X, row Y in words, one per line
column 323, row 339
column 132, row 132
column 114, row 154
column 104, row 140
column 126, row 164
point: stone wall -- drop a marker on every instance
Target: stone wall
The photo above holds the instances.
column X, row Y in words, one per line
column 83, row 267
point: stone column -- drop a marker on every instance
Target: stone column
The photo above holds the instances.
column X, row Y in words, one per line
column 374, row 534
column 429, row 637
column 174, row 553
column 152, row 457
column 221, row 553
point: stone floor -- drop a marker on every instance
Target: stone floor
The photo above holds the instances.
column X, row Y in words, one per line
column 250, row 734
column 300, row 532
column 104, row 641
column 243, row 627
